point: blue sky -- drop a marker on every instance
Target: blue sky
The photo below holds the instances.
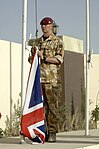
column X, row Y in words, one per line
column 70, row 15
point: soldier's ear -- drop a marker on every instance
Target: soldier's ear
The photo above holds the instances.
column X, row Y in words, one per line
column 51, row 25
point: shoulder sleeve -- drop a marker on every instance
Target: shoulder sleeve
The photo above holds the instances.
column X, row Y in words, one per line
column 60, row 50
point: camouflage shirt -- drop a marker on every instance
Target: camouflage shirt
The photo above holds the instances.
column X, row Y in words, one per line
column 53, row 47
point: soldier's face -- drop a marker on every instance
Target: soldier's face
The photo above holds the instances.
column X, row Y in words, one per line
column 46, row 28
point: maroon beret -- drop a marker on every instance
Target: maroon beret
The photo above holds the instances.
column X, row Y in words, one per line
column 46, row 21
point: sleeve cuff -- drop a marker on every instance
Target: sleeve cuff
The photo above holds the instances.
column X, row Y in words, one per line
column 60, row 58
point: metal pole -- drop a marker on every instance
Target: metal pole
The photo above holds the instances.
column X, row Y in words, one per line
column 36, row 18
column 10, row 87
column 24, row 19
column 87, row 64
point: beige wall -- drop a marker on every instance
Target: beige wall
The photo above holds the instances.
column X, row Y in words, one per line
column 4, row 80
column 93, row 81
column 72, row 44
column 5, row 48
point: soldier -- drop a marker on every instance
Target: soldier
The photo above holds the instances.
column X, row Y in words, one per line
column 51, row 54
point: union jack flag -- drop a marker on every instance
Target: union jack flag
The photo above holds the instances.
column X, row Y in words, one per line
column 32, row 121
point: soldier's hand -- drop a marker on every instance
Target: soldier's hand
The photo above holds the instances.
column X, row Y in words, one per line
column 40, row 54
column 30, row 59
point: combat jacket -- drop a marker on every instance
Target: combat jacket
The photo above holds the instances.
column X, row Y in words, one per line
column 53, row 47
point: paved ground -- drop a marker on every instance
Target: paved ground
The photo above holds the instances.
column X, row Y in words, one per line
column 65, row 140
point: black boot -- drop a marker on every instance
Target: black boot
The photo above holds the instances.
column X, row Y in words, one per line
column 52, row 137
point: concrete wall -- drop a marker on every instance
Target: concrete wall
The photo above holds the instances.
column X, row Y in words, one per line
column 72, row 44
column 73, row 80
column 73, row 77
column 4, row 80
column 93, row 81
column 10, row 57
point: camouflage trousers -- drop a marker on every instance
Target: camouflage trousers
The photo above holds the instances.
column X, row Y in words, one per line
column 51, row 95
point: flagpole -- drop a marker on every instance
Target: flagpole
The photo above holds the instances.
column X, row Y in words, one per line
column 87, row 64
column 36, row 18
column 24, row 20
column 10, row 87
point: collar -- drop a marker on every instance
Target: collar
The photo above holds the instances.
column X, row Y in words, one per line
column 49, row 38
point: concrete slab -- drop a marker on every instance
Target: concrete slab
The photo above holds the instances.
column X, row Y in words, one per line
column 65, row 140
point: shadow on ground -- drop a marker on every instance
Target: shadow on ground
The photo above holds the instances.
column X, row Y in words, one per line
column 60, row 139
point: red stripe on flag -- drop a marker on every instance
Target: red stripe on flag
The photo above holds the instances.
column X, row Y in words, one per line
column 30, row 119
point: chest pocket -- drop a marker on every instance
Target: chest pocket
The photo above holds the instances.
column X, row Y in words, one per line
column 49, row 48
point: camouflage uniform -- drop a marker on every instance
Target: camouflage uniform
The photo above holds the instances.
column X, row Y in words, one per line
column 50, row 78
